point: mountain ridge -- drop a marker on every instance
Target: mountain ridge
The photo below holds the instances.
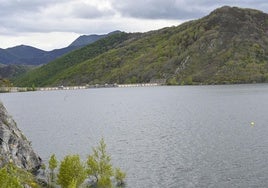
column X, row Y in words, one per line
column 88, row 39
column 18, row 60
column 226, row 46
column 28, row 55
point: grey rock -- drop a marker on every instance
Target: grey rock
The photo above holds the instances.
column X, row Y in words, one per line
column 14, row 146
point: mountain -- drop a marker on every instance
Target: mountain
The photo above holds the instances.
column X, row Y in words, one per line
column 27, row 55
column 24, row 55
column 13, row 71
column 24, row 51
column 45, row 74
column 227, row 46
column 6, row 56
column 88, row 39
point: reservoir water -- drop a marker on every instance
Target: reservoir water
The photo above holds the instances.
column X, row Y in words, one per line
column 185, row 136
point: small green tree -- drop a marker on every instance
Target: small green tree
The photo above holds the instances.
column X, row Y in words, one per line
column 33, row 87
column 119, row 176
column 25, row 178
column 99, row 165
column 8, row 180
column 172, row 81
column 53, row 163
column 104, row 182
column 71, row 169
column 72, row 184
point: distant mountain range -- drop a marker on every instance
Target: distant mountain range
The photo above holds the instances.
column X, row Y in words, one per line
column 227, row 46
column 27, row 55
column 18, row 60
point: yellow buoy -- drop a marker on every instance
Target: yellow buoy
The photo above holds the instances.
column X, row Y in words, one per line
column 252, row 123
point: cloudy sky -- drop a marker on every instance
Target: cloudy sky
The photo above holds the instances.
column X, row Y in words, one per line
column 50, row 24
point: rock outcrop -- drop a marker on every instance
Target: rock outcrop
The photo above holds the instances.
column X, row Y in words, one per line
column 14, row 146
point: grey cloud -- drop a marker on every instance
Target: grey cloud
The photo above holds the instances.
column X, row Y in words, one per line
column 152, row 9
column 19, row 7
column 23, row 8
column 26, row 17
column 178, row 9
column 74, row 15
column 46, row 16
column 87, row 11
column 158, row 9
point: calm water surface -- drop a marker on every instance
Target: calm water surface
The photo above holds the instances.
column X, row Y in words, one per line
column 188, row 136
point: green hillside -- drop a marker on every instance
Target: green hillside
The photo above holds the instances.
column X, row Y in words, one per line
column 13, row 71
column 227, row 46
column 49, row 74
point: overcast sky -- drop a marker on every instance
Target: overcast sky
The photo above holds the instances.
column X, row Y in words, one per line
column 50, row 24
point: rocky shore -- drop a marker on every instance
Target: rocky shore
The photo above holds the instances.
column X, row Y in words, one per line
column 14, row 146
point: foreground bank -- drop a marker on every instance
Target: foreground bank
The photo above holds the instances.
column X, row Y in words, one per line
column 17, row 154
column 15, row 147
column 21, row 167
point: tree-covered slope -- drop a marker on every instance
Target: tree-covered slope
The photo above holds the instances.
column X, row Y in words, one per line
column 12, row 71
column 227, row 46
column 49, row 74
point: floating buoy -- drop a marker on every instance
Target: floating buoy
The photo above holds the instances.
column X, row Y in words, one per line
column 252, row 124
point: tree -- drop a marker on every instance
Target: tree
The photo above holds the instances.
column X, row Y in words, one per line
column 99, row 165
column 119, row 176
column 53, row 163
column 5, row 85
column 13, row 176
column 104, row 182
column 8, row 180
column 72, row 184
column 71, row 170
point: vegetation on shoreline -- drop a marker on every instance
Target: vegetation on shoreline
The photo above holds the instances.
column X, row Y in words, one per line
column 71, row 172
column 12, row 176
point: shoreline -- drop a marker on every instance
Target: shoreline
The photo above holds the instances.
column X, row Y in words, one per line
column 96, row 86
column 26, row 89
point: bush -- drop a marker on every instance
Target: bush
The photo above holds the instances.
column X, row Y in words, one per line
column 71, row 170
column 8, row 180
column 99, row 166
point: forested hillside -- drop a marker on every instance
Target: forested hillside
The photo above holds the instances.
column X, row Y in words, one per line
column 227, row 46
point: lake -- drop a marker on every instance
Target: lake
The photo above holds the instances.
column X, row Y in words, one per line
column 184, row 136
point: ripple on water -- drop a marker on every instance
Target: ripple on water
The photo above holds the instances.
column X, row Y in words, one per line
column 162, row 137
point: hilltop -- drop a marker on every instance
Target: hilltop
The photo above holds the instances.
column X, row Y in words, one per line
column 227, row 46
